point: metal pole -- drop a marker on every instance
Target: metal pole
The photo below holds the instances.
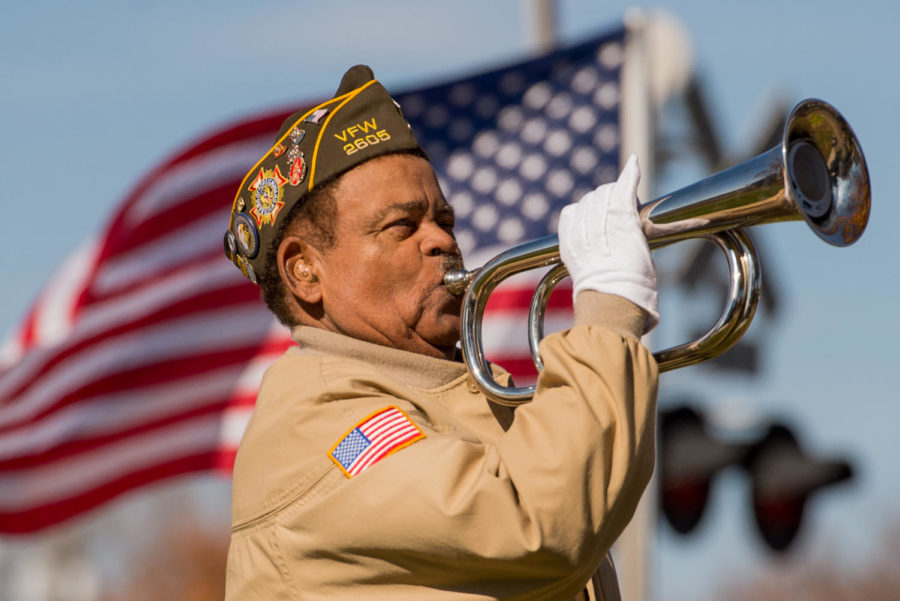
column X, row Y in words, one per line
column 632, row 550
column 543, row 24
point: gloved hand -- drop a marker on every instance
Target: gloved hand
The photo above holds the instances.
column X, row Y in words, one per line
column 603, row 246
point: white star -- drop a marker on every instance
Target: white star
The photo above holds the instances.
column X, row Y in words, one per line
column 560, row 106
column 582, row 119
column 533, row 167
column 534, row 131
column 610, row 55
column 509, row 191
column 558, row 142
column 510, row 118
column 486, row 144
column 460, row 166
column 537, row 96
column 510, row 154
column 510, row 230
column 485, row 179
column 583, row 159
column 585, row 79
column 607, row 95
column 485, row 217
column 535, row 206
column 559, row 182
column 463, row 203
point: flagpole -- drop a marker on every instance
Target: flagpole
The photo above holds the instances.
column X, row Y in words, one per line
column 543, row 24
column 632, row 550
column 658, row 65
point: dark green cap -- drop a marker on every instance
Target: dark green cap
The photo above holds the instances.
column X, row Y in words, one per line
column 361, row 122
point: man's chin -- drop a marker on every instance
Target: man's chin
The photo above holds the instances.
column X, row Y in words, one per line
column 447, row 337
column 440, row 325
column 445, row 333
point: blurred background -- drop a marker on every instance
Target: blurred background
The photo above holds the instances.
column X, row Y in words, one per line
column 96, row 95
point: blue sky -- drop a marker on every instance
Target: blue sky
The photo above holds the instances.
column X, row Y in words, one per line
column 97, row 93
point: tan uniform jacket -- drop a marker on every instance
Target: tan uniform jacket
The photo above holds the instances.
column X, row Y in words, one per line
column 490, row 504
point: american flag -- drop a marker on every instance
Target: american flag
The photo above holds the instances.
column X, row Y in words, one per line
column 141, row 360
column 373, row 439
column 511, row 148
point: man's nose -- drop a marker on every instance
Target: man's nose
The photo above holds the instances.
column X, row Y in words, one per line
column 438, row 241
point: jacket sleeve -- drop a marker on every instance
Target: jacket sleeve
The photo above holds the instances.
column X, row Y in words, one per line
column 530, row 513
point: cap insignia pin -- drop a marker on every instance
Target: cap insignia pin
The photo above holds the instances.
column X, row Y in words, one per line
column 230, row 245
column 298, row 170
column 246, row 235
column 267, row 191
column 316, row 116
column 297, row 135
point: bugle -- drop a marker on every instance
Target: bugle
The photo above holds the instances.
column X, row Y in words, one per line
column 817, row 174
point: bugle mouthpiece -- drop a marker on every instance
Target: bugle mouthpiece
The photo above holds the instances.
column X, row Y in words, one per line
column 458, row 281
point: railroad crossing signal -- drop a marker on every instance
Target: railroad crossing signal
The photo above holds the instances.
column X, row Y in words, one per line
column 783, row 477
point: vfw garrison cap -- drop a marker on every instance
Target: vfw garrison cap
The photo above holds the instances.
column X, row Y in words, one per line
column 361, row 122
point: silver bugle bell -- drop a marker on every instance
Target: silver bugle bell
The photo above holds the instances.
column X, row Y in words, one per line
column 817, row 174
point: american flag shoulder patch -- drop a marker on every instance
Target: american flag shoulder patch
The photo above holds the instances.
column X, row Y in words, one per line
column 384, row 432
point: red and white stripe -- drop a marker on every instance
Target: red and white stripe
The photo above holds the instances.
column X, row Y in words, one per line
column 387, row 431
column 141, row 359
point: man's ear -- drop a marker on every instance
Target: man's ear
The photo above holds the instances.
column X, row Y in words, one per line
column 299, row 265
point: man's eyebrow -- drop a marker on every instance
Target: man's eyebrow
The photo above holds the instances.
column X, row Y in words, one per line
column 446, row 209
column 413, row 205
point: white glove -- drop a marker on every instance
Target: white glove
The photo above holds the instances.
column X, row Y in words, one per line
column 604, row 248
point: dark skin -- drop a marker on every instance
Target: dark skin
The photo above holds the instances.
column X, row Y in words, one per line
column 382, row 279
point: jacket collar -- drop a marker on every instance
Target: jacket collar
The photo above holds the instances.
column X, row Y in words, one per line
column 412, row 369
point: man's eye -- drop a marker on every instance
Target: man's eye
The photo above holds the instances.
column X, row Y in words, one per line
column 402, row 223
